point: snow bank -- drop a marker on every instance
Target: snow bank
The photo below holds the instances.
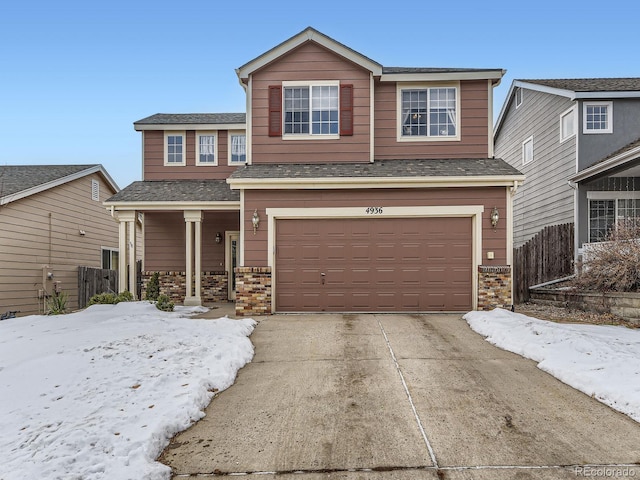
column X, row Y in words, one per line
column 602, row 361
column 98, row 394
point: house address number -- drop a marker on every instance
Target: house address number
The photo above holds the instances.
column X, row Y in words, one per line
column 373, row 211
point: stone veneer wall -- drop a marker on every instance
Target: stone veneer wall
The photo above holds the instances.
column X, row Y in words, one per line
column 253, row 290
column 174, row 285
column 494, row 287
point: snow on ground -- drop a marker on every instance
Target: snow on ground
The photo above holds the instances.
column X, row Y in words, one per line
column 98, row 394
column 602, row 361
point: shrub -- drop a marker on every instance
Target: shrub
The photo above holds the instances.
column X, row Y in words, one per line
column 125, row 296
column 153, row 288
column 164, row 304
column 110, row 298
column 103, row 299
column 613, row 265
column 57, row 303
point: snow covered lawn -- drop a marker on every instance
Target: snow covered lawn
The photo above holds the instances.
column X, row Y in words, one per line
column 98, row 394
column 602, row 361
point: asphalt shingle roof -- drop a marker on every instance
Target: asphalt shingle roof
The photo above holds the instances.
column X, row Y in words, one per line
column 17, row 178
column 192, row 118
column 435, row 70
column 591, row 84
column 381, row 169
column 177, row 191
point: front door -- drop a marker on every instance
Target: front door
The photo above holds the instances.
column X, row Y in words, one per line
column 232, row 254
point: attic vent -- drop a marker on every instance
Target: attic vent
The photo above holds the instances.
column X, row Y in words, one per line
column 95, row 190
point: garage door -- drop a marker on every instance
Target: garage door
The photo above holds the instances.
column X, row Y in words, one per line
column 381, row 265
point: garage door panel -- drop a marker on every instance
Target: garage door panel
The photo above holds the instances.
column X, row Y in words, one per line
column 381, row 264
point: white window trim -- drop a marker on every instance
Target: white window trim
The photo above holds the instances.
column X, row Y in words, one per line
column 519, row 96
column 609, row 118
column 95, row 190
column 424, row 86
column 533, row 156
column 304, row 136
column 569, row 111
column 608, row 196
column 207, row 133
column 166, row 148
column 229, row 134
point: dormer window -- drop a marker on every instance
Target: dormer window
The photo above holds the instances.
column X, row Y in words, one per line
column 428, row 113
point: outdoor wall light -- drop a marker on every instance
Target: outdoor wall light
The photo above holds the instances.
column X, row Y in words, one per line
column 255, row 221
column 495, row 216
column 218, row 237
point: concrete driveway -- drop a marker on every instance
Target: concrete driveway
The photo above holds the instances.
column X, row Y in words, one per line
column 399, row 397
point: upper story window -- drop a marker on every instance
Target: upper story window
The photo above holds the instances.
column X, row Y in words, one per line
column 311, row 110
column 174, row 148
column 597, row 117
column 428, row 113
column 567, row 124
column 305, row 110
column 518, row 97
column 206, row 143
column 527, row 151
column 237, row 148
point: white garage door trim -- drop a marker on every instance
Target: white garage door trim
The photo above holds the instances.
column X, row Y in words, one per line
column 473, row 211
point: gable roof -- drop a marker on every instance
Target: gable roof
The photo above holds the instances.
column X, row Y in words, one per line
column 20, row 181
column 574, row 89
column 191, row 120
column 308, row 34
column 385, row 73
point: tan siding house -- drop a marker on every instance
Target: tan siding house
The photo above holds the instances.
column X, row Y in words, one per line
column 51, row 222
column 361, row 188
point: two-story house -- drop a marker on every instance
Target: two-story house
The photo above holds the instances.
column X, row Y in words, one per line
column 578, row 143
column 362, row 188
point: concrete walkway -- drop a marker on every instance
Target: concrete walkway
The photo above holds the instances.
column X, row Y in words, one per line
column 398, row 397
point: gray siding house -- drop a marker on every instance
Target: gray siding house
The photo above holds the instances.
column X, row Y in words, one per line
column 578, row 143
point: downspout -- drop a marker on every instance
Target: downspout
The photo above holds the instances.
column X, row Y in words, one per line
column 574, row 186
column 512, row 192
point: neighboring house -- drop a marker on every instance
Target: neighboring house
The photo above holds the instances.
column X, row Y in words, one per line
column 52, row 221
column 578, row 143
column 357, row 187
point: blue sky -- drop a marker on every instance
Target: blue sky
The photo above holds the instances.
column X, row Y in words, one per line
column 76, row 75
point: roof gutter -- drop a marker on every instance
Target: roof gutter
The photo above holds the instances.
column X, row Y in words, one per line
column 374, row 182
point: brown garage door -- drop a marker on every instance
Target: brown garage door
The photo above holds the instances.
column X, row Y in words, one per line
column 381, row 265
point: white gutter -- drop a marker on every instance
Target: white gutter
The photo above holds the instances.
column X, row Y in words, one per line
column 374, row 182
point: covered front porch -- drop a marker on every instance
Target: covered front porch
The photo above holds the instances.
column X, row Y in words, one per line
column 191, row 234
column 607, row 195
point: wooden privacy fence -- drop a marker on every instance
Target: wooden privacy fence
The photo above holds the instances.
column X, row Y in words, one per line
column 92, row 281
column 547, row 256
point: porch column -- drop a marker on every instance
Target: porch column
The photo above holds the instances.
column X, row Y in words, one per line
column 132, row 259
column 192, row 217
column 126, row 253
